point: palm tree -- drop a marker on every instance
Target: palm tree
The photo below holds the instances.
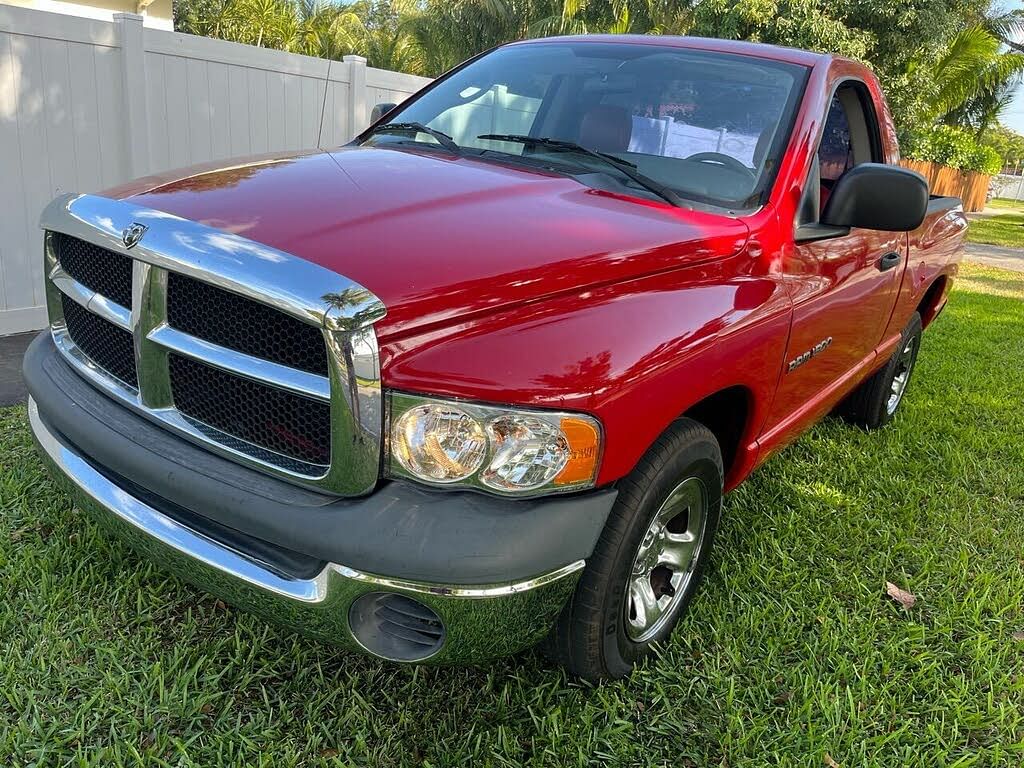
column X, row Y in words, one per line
column 971, row 82
column 265, row 23
column 664, row 17
column 384, row 35
column 312, row 21
column 448, row 32
column 210, row 18
column 577, row 17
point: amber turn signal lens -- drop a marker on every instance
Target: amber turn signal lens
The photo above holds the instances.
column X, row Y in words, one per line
column 585, row 448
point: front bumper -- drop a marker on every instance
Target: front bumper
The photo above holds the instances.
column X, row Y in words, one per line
column 495, row 571
column 481, row 622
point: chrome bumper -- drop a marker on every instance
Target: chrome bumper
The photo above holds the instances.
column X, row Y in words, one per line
column 481, row 622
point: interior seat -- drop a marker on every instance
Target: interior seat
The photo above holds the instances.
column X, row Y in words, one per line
column 606, row 128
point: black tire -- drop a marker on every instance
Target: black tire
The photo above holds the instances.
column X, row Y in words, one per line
column 869, row 405
column 591, row 638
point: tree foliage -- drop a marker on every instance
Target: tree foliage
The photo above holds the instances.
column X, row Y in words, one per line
column 953, row 147
column 972, row 80
column 1008, row 144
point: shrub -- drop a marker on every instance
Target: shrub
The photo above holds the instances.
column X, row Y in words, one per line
column 953, row 147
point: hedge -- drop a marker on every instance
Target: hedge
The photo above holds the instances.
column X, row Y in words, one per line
column 952, row 147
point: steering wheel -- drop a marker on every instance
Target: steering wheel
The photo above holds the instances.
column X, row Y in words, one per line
column 717, row 158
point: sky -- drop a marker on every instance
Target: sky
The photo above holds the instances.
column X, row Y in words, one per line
column 1013, row 117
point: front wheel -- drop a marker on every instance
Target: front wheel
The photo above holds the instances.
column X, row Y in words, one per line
column 649, row 560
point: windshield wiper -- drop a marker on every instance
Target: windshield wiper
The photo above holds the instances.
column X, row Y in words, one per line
column 443, row 139
column 624, row 166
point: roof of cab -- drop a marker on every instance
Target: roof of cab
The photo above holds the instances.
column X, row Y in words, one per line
column 741, row 47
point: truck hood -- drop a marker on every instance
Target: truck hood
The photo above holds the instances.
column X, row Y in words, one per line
column 438, row 237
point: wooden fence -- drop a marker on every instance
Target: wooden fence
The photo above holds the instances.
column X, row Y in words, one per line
column 969, row 186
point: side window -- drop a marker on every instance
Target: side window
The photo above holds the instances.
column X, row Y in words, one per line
column 850, row 137
column 835, row 154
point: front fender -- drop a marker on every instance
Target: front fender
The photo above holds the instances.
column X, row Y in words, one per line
column 635, row 354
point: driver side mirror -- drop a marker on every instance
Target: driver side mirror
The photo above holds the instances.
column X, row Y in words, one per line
column 379, row 110
column 876, row 196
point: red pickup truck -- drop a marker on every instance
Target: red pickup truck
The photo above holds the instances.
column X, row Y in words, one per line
column 480, row 378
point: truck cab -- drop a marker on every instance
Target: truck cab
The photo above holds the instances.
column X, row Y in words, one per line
column 481, row 378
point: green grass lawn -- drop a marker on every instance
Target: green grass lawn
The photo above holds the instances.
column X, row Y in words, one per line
column 792, row 651
column 1002, row 229
column 1005, row 202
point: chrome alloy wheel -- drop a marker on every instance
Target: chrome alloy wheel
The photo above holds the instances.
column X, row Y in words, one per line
column 665, row 560
column 899, row 381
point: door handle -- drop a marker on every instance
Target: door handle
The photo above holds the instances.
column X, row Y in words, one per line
column 889, row 261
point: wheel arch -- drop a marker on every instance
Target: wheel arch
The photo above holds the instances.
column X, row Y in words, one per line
column 727, row 414
column 930, row 304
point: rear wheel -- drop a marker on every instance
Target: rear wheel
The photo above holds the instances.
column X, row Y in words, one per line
column 874, row 403
column 649, row 560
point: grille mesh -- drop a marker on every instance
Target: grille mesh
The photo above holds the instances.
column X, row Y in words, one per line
column 110, row 347
column 227, row 319
column 292, row 425
column 105, row 272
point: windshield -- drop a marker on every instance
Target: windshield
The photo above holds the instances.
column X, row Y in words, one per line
column 708, row 126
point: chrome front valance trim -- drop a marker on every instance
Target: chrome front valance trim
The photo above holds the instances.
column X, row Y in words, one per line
column 158, row 525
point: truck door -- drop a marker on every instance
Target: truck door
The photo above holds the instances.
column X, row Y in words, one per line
column 843, row 286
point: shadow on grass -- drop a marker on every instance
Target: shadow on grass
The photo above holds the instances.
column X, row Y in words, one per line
column 987, row 284
column 1006, row 229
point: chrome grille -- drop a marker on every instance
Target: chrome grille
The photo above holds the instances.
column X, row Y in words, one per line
column 229, row 320
column 98, row 269
column 106, row 345
column 287, row 424
column 255, row 353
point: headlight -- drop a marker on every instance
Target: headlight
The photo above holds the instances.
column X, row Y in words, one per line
column 439, row 443
column 503, row 450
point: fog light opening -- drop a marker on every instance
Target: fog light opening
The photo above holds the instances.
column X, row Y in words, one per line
column 396, row 627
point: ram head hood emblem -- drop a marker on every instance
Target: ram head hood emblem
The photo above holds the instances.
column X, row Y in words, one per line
column 131, row 234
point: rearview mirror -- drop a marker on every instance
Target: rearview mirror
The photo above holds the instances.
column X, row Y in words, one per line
column 379, row 110
column 877, row 196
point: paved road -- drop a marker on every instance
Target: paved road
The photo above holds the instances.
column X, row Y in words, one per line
column 996, row 256
column 12, row 388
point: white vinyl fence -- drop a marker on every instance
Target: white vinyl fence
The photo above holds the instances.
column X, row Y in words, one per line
column 1007, row 186
column 87, row 104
